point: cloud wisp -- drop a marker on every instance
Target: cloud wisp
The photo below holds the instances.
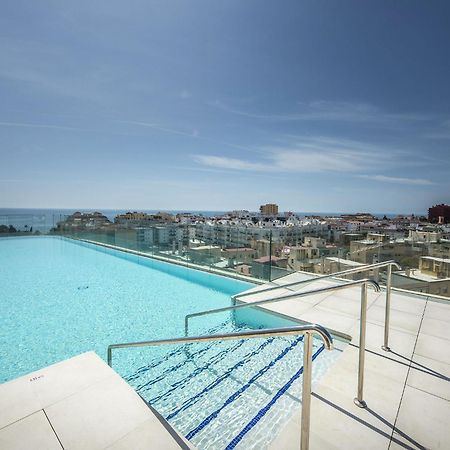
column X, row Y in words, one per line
column 36, row 125
column 289, row 161
column 331, row 111
column 323, row 155
column 398, row 180
column 303, row 155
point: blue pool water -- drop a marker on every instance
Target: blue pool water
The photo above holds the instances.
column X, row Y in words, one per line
column 60, row 297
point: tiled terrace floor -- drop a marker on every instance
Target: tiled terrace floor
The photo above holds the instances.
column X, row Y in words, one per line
column 407, row 390
column 78, row 404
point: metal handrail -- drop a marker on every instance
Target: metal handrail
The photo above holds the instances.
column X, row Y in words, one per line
column 387, row 312
column 359, row 400
column 306, row 330
column 321, row 277
column 277, row 299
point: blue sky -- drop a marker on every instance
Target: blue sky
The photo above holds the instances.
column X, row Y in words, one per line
column 315, row 105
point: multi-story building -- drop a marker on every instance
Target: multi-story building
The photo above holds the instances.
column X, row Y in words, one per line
column 205, row 254
column 439, row 213
column 79, row 220
column 141, row 219
column 243, row 233
column 371, row 250
column 424, row 236
column 269, row 209
column 433, row 277
column 267, row 268
column 302, row 258
column 438, row 267
column 333, row 264
column 240, row 255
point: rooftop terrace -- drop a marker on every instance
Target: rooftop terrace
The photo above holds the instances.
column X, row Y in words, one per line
column 81, row 403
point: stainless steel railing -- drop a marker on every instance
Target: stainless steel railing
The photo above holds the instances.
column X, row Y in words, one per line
column 359, row 400
column 380, row 265
column 359, row 269
column 388, row 264
column 307, row 330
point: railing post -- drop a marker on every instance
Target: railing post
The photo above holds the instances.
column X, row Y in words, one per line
column 359, row 400
column 186, row 325
column 270, row 256
column 109, row 357
column 306, row 391
column 387, row 312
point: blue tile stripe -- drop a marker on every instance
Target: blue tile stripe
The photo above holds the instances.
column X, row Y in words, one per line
column 175, row 352
column 192, row 401
column 148, row 368
column 213, row 360
column 261, row 413
column 243, row 388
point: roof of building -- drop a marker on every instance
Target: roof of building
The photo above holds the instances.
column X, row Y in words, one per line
column 433, row 258
column 347, row 262
column 265, row 259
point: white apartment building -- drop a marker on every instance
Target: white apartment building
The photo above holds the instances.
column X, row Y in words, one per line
column 244, row 233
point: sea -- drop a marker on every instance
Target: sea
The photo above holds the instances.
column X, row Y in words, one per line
column 44, row 219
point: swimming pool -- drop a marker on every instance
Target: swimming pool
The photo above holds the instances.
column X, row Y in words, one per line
column 61, row 297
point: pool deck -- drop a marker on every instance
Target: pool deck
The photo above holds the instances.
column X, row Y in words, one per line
column 79, row 404
column 407, row 390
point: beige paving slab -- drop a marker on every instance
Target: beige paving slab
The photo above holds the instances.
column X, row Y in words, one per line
column 314, row 284
column 401, row 342
column 314, row 299
column 257, row 296
column 383, row 384
column 436, row 310
column 400, row 302
column 436, row 327
column 33, row 432
column 399, row 320
column 343, row 305
column 311, row 298
column 377, row 365
column 429, row 376
column 293, row 308
column 99, row 415
column 433, row 347
column 329, row 319
column 17, row 400
column 35, row 391
column 425, row 419
column 145, row 436
column 334, row 425
column 61, row 380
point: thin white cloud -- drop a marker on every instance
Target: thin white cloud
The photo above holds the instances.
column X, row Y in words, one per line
column 223, row 162
column 155, row 126
column 36, row 125
column 311, row 154
column 398, row 180
column 331, row 111
column 289, row 161
column 195, row 133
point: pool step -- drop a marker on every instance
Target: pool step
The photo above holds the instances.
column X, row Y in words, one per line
column 203, row 388
column 263, row 411
column 177, row 352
